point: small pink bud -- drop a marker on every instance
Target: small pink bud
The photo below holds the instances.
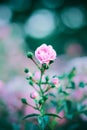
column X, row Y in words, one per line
column 34, row 95
column 55, row 81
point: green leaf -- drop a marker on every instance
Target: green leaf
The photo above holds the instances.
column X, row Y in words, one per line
column 52, row 95
column 84, row 112
column 65, row 93
column 59, row 108
column 24, row 101
column 62, row 76
column 80, row 107
column 30, row 115
column 72, row 73
column 53, row 102
column 68, row 104
column 69, row 116
column 43, row 121
column 60, row 89
column 68, row 109
column 31, row 82
column 71, row 85
column 54, row 115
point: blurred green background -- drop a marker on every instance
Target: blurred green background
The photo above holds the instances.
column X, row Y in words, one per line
column 56, row 22
column 26, row 24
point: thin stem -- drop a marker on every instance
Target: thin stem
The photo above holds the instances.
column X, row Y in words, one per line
column 47, row 89
column 32, row 106
column 40, row 83
column 36, row 63
column 44, row 83
column 34, row 81
column 35, row 89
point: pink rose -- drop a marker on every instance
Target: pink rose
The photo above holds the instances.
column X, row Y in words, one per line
column 45, row 54
column 34, row 95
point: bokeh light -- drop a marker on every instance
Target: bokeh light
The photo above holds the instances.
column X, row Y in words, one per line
column 5, row 15
column 73, row 17
column 40, row 24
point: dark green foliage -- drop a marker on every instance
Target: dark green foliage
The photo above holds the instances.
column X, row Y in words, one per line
column 24, row 101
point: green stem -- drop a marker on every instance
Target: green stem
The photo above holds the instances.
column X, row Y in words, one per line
column 36, row 63
column 35, row 89
column 44, row 83
column 42, row 112
column 40, row 83
column 32, row 106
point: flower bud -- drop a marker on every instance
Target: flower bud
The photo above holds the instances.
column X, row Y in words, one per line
column 53, row 85
column 41, row 101
column 47, row 78
column 45, row 97
column 26, row 70
column 31, row 82
column 34, row 95
column 45, row 66
column 55, row 81
column 30, row 55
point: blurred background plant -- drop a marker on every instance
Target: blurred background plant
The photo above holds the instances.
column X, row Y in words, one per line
column 26, row 24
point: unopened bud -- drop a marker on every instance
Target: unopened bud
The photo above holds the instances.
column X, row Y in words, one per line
column 41, row 101
column 30, row 55
column 31, row 83
column 26, row 70
column 45, row 97
column 47, row 78
column 56, row 82
column 45, row 66
column 34, row 95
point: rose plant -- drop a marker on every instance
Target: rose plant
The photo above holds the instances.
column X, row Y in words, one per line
column 43, row 86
